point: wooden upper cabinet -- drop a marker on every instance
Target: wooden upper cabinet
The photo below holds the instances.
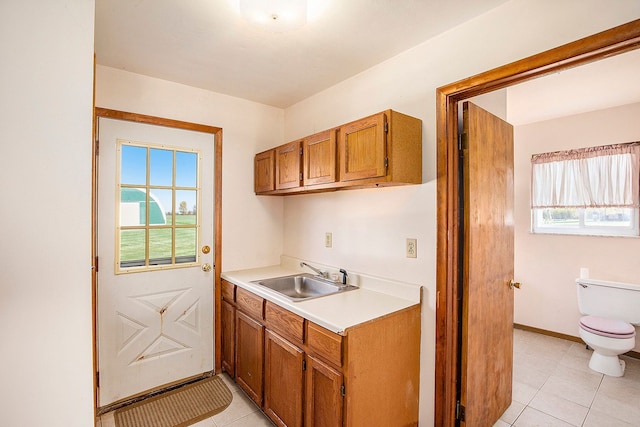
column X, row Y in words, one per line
column 383, row 149
column 363, row 148
column 289, row 165
column 319, row 158
column 380, row 150
column 263, row 172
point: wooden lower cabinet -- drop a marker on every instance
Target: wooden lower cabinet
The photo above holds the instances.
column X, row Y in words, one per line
column 249, row 356
column 228, row 338
column 302, row 374
column 283, row 381
column 323, row 394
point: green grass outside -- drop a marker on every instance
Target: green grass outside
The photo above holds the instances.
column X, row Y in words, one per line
column 132, row 242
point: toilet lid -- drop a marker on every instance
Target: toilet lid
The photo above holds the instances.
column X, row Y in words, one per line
column 612, row 328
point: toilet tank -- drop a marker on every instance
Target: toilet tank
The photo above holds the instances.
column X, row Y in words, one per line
column 609, row 299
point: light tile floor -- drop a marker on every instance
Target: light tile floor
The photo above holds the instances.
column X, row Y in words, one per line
column 552, row 386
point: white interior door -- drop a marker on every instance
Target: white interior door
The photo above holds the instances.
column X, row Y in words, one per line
column 155, row 218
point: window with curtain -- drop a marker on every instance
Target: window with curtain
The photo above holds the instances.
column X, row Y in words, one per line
column 592, row 191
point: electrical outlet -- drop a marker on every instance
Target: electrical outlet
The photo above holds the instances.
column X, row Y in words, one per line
column 328, row 240
column 412, row 248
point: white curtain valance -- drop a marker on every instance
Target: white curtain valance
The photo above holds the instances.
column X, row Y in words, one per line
column 606, row 176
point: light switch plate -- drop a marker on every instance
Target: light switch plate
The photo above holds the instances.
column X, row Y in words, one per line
column 328, row 240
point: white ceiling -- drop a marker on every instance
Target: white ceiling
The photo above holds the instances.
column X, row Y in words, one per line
column 205, row 43
column 602, row 84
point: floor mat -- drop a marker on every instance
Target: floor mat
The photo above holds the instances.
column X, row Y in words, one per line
column 177, row 408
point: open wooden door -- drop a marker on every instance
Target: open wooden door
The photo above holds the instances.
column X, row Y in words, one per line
column 487, row 240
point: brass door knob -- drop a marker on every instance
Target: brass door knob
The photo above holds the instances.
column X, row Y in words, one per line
column 206, row 267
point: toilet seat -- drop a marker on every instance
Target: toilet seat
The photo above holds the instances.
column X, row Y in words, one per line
column 611, row 328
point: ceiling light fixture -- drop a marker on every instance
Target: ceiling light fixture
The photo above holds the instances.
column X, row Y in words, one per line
column 275, row 15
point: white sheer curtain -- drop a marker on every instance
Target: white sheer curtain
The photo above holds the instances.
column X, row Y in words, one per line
column 595, row 177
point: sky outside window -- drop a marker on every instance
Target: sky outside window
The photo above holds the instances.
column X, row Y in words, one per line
column 134, row 169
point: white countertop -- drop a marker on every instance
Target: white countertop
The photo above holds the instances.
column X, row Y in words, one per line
column 376, row 297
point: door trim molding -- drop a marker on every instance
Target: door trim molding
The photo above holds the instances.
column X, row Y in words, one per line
column 217, row 219
column 608, row 43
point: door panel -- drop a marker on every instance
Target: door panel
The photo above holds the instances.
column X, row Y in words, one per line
column 288, row 165
column 283, row 381
column 323, row 406
column 319, row 154
column 228, row 338
column 487, row 307
column 362, row 148
column 155, row 327
column 250, row 356
column 264, row 172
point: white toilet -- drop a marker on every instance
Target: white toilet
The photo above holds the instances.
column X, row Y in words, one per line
column 610, row 312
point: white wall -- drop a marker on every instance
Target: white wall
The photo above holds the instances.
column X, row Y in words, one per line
column 46, row 80
column 547, row 265
column 251, row 226
column 370, row 226
column 45, row 108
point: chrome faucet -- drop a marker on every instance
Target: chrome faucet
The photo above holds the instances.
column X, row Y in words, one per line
column 319, row 272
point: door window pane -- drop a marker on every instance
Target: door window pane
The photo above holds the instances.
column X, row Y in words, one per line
column 161, row 201
column 133, row 206
column 161, row 167
column 186, row 169
column 157, row 216
column 132, row 246
column 186, row 244
column 186, row 201
column 160, row 244
column 133, row 165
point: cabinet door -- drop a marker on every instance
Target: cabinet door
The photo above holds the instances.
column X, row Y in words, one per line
column 283, row 380
column 319, row 158
column 362, row 148
column 323, row 396
column 263, row 172
column 228, row 338
column 288, row 166
column 249, row 355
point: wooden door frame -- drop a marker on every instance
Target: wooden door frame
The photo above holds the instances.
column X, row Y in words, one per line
column 611, row 42
column 217, row 218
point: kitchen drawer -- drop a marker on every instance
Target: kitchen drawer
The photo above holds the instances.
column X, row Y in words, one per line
column 251, row 304
column 324, row 343
column 228, row 291
column 284, row 321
